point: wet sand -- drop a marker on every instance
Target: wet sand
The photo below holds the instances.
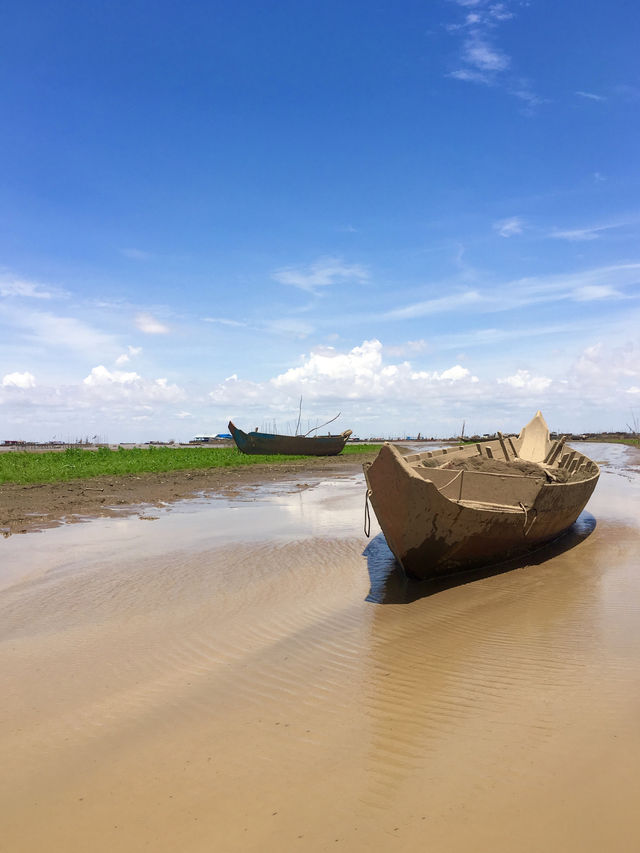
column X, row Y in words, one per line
column 249, row 673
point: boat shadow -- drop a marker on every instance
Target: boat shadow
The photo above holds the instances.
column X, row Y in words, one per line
column 390, row 585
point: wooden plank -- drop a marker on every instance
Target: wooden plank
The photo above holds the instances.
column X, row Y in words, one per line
column 503, row 446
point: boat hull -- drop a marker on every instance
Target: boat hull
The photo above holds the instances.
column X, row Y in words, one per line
column 262, row 443
column 433, row 530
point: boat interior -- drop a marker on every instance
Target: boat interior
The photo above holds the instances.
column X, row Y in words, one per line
column 484, row 472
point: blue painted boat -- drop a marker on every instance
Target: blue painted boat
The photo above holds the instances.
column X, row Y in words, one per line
column 292, row 445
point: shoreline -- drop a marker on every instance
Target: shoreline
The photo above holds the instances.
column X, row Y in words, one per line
column 36, row 506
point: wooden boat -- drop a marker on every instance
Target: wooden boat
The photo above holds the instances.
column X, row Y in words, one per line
column 293, row 445
column 468, row 506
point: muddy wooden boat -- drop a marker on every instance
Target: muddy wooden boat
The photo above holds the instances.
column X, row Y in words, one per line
column 467, row 506
column 296, row 445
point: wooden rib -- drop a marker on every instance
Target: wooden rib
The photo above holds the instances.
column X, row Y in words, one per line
column 503, row 446
column 556, row 447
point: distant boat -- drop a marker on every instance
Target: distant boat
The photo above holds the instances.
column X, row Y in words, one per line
column 453, row 509
column 292, row 445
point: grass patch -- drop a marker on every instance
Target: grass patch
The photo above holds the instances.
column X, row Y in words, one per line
column 77, row 464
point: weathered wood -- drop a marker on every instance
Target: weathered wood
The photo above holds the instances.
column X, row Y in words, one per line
column 503, row 446
column 475, row 509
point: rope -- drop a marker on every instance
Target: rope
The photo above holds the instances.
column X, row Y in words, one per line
column 524, row 526
column 452, row 480
column 367, row 514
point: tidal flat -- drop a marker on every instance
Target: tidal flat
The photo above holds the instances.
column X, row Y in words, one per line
column 249, row 672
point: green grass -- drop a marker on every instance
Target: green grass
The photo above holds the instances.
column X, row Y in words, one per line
column 75, row 463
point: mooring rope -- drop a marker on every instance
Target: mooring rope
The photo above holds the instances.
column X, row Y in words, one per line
column 367, row 514
column 524, row 526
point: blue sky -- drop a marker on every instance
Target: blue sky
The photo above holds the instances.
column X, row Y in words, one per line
column 411, row 213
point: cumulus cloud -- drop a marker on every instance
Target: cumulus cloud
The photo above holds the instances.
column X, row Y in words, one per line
column 101, row 376
column 19, row 380
column 118, row 384
column 603, row 371
column 127, row 356
column 322, row 273
column 523, row 380
column 148, row 324
column 358, row 374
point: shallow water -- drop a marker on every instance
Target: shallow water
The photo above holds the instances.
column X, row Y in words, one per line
column 255, row 675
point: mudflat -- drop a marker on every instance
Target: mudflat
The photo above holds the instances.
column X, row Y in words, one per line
column 24, row 508
column 249, row 672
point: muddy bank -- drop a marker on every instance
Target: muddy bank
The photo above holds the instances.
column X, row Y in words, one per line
column 25, row 508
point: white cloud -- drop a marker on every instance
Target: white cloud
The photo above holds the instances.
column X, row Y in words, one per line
column 435, row 306
column 126, row 356
column 595, row 291
column 478, row 53
column 456, row 373
column 407, row 348
column 120, row 385
column 591, row 96
column 509, row 227
column 357, row 375
column 16, row 287
column 290, row 327
column 101, row 376
column 481, row 60
column 635, row 389
column 603, row 370
column 184, row 415
column 19, row 380
column 523, row 380
column 323, row 273
column 578, row 235
column 55, row 332
column 223, row 321
column 149, row 325
column 469, row 76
